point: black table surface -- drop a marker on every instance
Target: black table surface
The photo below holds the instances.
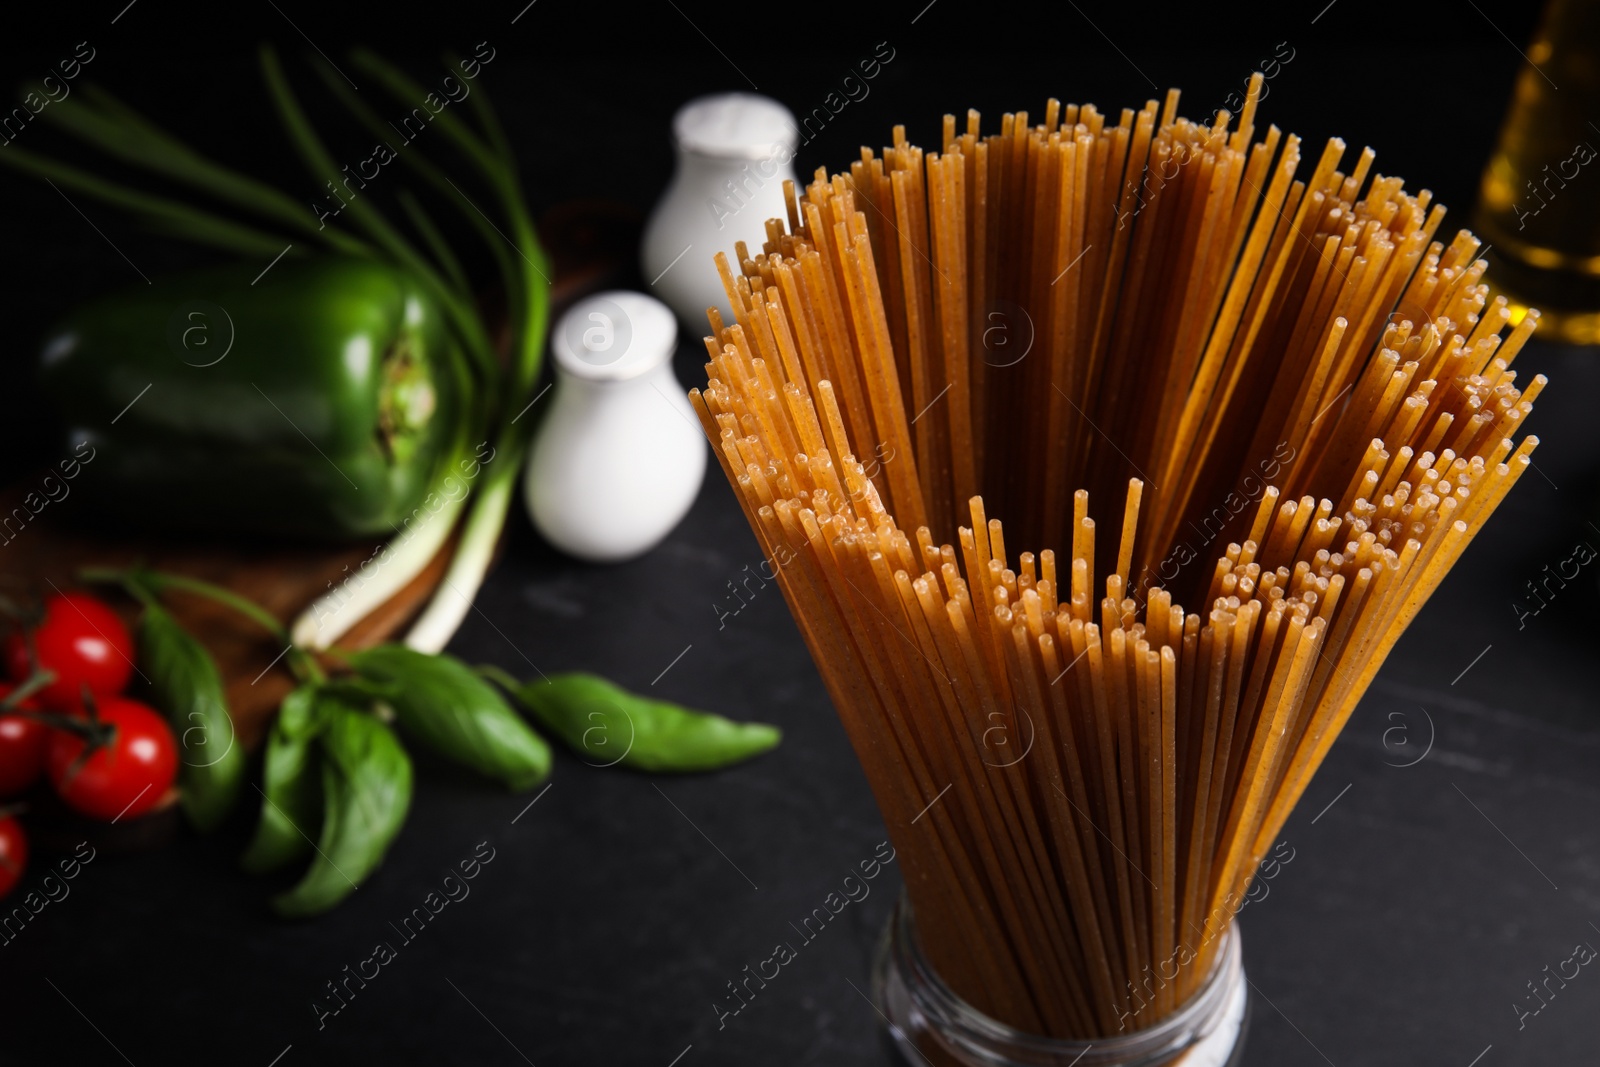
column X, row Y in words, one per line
column 1444, row 857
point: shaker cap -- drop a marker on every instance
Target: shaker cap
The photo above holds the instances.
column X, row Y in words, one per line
column 734, row 125
column 614, row 336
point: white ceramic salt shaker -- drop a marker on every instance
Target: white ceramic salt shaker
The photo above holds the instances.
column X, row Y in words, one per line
column 734, row 152
column 620, row 456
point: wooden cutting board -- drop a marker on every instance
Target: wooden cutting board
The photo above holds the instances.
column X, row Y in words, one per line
column 592, row 246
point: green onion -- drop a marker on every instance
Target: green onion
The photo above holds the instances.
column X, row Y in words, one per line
column 497, row 393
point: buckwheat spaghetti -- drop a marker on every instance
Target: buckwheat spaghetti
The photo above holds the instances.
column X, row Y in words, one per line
column 1288, row 377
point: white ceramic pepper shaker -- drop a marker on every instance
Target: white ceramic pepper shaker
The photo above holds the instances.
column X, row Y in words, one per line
column 734, row 152
column 620, row 456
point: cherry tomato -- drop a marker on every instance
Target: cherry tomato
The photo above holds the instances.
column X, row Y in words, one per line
column 22, row 746
column 127, row 771
column 13, row 853
column 84, row 642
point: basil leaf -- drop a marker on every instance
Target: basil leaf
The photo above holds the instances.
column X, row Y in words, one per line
column 188, row 688
column 366, row 788
column 445, row 705
column 291, row 794
column 609, row 725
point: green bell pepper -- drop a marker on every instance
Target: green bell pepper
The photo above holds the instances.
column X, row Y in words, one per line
column 317, row 399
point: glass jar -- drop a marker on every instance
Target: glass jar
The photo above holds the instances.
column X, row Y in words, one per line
column 933, row 1027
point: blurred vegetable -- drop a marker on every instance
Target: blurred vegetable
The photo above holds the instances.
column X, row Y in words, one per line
column 321, row 405
column 23, row 741
column 117, row 762
column 609, row 725
column 526, row 282
column 187, row 687
column 441, row 702
column 291, row 791
column 332, row 768
column 486, row 194
column 81, row 641
column 13, row 853
column 366, row 788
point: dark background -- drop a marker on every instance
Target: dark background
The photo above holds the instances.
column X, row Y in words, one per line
column 1417, row 906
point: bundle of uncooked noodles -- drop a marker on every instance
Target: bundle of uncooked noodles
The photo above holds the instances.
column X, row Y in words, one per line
column 1301, row 400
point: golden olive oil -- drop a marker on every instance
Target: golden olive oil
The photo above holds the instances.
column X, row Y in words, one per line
column 1539, row 205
